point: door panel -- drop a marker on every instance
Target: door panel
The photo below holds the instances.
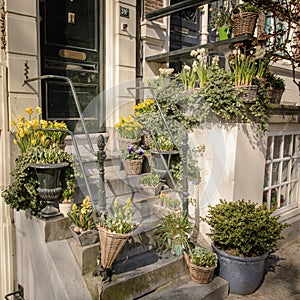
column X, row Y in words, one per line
column 70, row 48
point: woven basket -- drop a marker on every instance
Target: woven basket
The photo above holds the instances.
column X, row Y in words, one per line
column 123, row 143
column 244, row 23
column 200, row 274
column 133, row 167
column 111, row 244
column 246, row 93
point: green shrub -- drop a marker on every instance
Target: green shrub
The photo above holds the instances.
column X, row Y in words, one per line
column 242, row 228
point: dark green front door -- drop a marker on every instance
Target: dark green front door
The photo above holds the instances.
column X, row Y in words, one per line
column 70, row 47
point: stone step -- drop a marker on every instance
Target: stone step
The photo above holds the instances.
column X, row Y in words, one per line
column 137, row 276
column 185, row 288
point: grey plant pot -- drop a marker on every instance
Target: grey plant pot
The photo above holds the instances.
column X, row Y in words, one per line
column 244, row 274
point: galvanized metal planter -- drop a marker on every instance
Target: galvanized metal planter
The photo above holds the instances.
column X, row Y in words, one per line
column 244, row 274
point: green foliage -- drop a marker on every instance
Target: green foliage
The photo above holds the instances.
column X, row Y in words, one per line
column 221, row 17
column 243, row 228
column 245, row 7
column 170, row 202
column 220, row 95
column 202, row 257
column 172, row 230
column 119, row 220
column 81, row 216
column 276, row 81
column 22, row 193
column 150, row 179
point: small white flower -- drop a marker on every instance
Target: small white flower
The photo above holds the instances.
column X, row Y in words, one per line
column 194, row 53
column 215, row 60
column 187, row 68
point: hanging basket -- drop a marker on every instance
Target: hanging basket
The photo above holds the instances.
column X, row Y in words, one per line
column 200, row 274
column 133, row 167
column 244, row 23
column 246, row 93
column 111, row 244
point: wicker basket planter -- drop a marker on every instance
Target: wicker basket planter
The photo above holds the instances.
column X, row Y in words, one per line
column 244, row 23
column 246, row 93
column 123, row 142
column 111, row 244
column 199, row 274
column 133, row 167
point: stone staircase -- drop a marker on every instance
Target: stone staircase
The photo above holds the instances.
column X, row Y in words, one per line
column 140, row 272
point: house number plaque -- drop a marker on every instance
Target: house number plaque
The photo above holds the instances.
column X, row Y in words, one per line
column 124, row 12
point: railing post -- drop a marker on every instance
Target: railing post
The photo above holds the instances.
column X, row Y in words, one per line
column 185, row 184
column 101, row 155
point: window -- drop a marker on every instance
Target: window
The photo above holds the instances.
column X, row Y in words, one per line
column 281, row 187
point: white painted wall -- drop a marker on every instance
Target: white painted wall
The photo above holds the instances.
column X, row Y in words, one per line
column 231, row 167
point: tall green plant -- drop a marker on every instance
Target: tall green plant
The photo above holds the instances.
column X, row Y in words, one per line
column 244, row 69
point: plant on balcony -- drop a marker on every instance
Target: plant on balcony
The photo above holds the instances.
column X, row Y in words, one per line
column 221, row 20
column 244, row 17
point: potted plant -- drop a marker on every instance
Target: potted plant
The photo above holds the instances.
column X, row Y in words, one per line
column 39, row 146
column 244, row 17
column 277, row 87
column 132, row 159
column 201, row 263
column 68, row 190
column 150, row 184
column 83, row 228
column 129, row 131
column 168, row 203
column 162, row 158
column 172, row 233
column 243, row 233
column 244, row 69
column 115, row 227
column 221, row 20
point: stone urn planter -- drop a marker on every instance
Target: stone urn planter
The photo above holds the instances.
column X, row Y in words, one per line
column 49, row 185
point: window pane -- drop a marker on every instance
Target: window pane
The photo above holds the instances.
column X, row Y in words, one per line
column 287, row 143
column 277, row 145
column 275, row 173
column 269, row 147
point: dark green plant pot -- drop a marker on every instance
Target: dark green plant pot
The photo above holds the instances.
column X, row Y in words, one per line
column 244, row 274
column 224, row 33
column 161, row 162
column 49, row 185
